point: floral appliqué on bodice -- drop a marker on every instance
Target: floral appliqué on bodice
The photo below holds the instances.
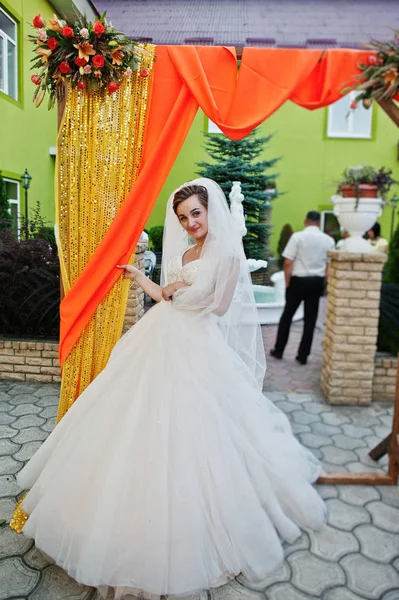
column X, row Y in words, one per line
column 179, row 272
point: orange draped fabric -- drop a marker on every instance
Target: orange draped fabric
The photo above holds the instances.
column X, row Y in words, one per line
column 237, row 100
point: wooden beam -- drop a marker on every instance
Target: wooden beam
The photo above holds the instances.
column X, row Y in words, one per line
column 377, row 478
column 239, row 50
column 393, row 468
column 381, row 449
column 391, row 109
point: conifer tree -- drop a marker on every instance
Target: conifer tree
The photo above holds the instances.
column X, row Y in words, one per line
column 237, row 160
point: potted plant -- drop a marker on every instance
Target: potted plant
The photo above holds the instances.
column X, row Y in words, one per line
column 361, row 196
column 365, row 182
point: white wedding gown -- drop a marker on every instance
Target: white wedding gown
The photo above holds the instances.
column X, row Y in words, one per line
column 171, row 473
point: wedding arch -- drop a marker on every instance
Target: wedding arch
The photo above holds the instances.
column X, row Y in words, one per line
column 114, row 152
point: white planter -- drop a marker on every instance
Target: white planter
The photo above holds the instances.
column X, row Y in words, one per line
column 358, row 221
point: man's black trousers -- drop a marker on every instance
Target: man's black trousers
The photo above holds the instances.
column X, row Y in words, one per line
column 309, row 290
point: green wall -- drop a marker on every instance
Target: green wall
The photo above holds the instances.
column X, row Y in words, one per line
column 27, row 132
column 309, row 166
column 183, row 170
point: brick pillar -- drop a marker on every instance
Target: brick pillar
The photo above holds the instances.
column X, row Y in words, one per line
column 350, row 341
column 135, row 302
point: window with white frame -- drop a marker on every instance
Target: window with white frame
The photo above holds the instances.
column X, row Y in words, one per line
column 329, row 223
column 213, row 128
column 8, row 55
column 344, row 122
column 12, row 188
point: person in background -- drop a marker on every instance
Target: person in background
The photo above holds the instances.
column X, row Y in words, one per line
column 378, row 243
column 306, row 270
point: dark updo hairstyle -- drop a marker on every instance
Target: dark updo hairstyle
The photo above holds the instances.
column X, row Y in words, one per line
column 190, row 190
column 376, row 228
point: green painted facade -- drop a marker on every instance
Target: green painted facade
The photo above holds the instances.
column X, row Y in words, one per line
column 310, row 162
column 27, row 132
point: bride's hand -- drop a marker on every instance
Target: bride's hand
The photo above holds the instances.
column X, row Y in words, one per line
column 169, row 290
column 131, row 272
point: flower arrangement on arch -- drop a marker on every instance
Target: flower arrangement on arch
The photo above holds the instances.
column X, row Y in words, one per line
column 88, row 55
column 379, row 79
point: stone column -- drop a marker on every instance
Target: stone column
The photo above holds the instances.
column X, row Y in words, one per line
column 350, row 341
column 135, row 303
column 385, row 375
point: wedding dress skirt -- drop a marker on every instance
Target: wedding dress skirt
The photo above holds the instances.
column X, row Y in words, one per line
column 171, row 473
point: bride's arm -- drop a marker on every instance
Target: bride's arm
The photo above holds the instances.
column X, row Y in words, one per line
column 151, row 289
column 155, row 291
column 172, row 288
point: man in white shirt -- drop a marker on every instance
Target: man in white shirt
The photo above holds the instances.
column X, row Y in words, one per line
column 306, row 269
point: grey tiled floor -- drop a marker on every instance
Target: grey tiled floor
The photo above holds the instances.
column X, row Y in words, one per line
column 356, row 557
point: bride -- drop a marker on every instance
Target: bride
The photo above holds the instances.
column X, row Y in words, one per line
column 172, row 473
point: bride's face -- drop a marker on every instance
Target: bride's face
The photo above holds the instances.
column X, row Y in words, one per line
column 193, row 217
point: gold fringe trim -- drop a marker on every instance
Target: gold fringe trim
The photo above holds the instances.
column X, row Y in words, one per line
column 19, row 517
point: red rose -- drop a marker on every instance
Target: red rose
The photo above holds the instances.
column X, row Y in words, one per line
column 98, row 28
column 81, row 85
column 144, row 73
column 372, row 59
column 81, row 62
column 67, row 32
column 98, row 61
column 113, row 86
column 36, row 79
column 64, row 67
column 353, row 104
column 379, row 62
column 52, row 43
column 38, row 22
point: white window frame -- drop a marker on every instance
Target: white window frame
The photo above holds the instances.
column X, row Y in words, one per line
column 323, row 219
column 213, row 128
column 349, row 134
column 15, row 201
column 4, row 38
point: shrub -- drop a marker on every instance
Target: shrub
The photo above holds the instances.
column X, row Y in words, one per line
column 155, row 235
column 286, row 233
column 30, row 287
column 388, row 326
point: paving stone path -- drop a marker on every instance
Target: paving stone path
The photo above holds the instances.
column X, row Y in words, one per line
column 288, row 375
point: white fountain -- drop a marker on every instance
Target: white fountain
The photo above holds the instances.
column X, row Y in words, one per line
column 270, row 299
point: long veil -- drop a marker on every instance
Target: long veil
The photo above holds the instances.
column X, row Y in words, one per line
column 223, row 286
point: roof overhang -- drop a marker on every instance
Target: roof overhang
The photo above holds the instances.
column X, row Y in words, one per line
column 66, row 7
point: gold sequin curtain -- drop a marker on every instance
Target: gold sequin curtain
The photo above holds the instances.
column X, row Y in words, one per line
column 99, row 151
